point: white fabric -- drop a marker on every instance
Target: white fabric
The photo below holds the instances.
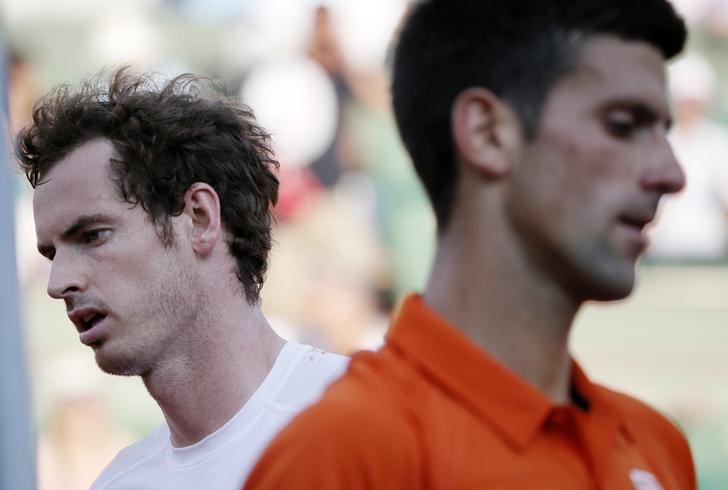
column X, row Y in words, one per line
column 223, row 459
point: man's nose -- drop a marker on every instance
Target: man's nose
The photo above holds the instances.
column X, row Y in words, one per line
column 65, row 277
column 665, row 175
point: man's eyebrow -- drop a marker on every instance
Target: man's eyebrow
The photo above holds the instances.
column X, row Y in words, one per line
column 84, row 222
column 80, row 223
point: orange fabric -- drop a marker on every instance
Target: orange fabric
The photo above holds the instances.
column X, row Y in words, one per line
column 431, row 410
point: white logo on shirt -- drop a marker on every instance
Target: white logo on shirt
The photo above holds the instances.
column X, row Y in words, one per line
column 644, row 480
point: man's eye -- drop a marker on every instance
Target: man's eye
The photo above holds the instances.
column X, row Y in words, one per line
column 92, row 236
column 621, row 125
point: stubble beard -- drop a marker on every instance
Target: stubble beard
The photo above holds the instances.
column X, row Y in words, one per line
column 605, row 274
column 165, row 314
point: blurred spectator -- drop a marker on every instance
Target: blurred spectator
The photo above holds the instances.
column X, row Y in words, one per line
column 80, row 437
column 346, row 186
column 326, row 51
column 708, row 14
column 125, row 35
column 693, row 225
column 22, row 89
column 325, row 273
column 295, row 101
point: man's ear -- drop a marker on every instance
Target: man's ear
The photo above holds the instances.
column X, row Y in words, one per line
column 486, row 131
column 202, row 206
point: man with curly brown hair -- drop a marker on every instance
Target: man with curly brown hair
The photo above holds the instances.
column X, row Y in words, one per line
column 153, row 204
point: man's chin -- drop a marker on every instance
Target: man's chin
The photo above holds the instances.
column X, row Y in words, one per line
column 612, row 289
column 119, row 364
column 612, row 283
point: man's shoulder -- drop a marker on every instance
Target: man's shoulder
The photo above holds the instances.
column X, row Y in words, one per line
column 656, row 435
column 308, row 372
column 370, row 392
column 640, row 415
column 132, row 457
column 361, row 423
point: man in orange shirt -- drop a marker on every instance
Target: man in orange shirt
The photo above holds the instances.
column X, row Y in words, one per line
column 539, row 130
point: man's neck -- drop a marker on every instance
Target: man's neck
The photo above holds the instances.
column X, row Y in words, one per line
column 505, row 309
column 199, row 388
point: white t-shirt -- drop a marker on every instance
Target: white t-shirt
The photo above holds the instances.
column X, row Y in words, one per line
column 223, row 459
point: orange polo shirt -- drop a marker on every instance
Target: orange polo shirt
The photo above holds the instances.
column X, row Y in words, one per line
column 431, row 410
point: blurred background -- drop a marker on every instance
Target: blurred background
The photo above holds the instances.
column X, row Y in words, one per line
column 355, row 232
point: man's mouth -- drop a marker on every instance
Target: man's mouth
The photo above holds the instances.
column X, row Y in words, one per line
column 637, row 220
column 634, row 223
column 86, row 318
column 92, row 320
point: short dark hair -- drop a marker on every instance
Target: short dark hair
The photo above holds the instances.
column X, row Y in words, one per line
column 516, row 48
column 166, row 136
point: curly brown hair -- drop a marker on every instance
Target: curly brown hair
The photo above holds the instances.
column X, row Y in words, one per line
column 167, row 136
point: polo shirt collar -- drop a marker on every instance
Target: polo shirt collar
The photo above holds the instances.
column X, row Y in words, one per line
column 513, row 408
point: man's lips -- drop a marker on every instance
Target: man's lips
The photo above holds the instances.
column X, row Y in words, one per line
column 637, row 219
column 635, row 222
column 84, row 318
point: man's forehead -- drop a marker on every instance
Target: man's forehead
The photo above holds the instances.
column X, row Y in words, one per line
column 611, row 57
column 79, row 178
column 610, row 67
column 88, row 161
